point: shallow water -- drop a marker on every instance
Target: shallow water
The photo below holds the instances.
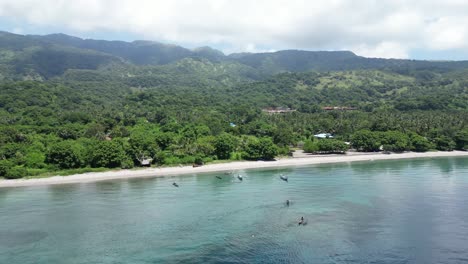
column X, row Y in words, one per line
column 408, row 211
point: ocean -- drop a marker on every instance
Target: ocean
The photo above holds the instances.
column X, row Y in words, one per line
column 394, row 211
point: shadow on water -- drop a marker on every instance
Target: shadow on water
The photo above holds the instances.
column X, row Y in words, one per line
column 20, row 238
column 4, row 193
column 460, row 162
column 63, row 191
column 331, row 167
column 448, row 166
column 140, row 184
column 108, row 186
column 143, row 185
column 371, row 167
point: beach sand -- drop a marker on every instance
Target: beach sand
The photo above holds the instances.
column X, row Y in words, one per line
column 222, row 167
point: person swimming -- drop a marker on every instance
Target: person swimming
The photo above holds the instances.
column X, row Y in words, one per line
column 302, row 221
column 287, row 202
column 175, row 184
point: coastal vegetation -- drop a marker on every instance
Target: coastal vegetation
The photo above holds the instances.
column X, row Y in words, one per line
column 74, row 107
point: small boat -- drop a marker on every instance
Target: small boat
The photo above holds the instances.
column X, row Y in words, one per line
column 219, row 177
column 239, row 177
column 175, row 184
column 284, row 178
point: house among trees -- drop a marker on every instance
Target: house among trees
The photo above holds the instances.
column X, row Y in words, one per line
column 278, row 110
column 324, row 135
column 145, row 162
column 345, row 108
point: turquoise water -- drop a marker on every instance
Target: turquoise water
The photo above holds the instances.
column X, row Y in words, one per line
column 408, row 211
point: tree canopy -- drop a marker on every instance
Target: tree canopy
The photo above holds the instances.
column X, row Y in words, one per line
column 77, row 104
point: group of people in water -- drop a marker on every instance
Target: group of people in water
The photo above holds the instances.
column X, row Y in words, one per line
column 302, row 221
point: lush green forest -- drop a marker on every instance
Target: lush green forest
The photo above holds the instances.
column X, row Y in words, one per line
column 70, row 105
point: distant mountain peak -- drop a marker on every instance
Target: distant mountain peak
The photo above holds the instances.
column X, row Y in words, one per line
column 4, row 33
column 147, row 42
column 62, row 35
column 209, row 53
column 207, row 48
column 53, row 54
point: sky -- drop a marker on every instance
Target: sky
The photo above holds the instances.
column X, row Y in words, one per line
column 417, row 29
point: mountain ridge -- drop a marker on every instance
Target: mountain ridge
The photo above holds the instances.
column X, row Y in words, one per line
column 47, row 56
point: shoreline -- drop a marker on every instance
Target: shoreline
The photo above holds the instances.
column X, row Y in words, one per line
column 223, row 167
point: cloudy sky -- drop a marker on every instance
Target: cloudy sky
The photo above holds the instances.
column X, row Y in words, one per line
column 417, row 29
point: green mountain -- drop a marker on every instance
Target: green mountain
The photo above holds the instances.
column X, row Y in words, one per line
column 79, row 105
column 299, row 61
column 29, row 58
column 365, row 89
column 43, row 57
column 137, row 52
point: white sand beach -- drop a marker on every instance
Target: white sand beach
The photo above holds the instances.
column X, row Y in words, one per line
column 222, row 167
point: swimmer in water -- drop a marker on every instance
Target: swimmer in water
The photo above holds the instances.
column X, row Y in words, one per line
column 302, row 221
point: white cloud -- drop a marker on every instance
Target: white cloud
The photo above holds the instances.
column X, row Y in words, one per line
column 383, row 50
column 448, row 33
column 384, row 28
column 17, row 30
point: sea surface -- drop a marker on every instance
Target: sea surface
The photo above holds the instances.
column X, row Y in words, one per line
column 400, row 211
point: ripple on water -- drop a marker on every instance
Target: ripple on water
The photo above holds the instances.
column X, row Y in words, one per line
column 379, row 212
column 20, row 238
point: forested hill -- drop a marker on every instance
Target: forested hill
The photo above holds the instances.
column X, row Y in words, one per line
column 365, row 89
column 68, row 103
column 43, row 57
column 298, row 61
